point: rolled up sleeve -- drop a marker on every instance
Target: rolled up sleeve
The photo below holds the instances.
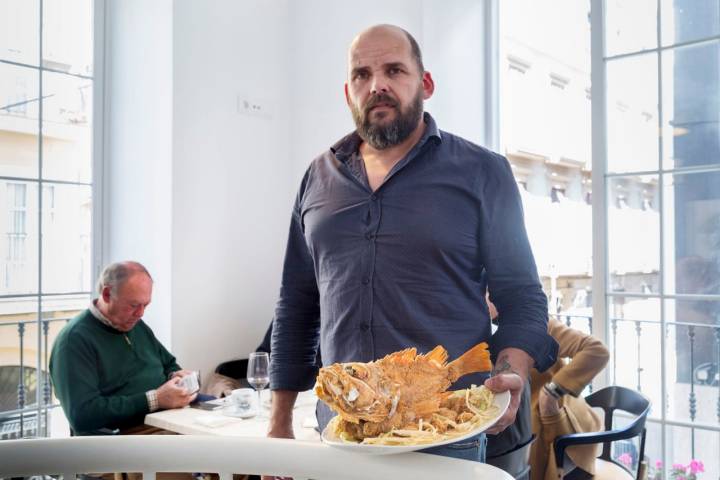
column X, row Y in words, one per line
column 296, row 325
column 513, row 281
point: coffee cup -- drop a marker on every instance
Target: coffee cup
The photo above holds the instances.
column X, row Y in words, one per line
column 243, row 399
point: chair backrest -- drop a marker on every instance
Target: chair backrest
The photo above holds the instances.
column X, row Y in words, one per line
column 609, row 399
column 224, row 455
column 613, row 398
column 234, row 368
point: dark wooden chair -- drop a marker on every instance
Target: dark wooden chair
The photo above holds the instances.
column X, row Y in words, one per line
column 609, row 399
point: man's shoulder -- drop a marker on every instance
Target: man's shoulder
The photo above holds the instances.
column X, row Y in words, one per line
column 470, row 150
column 78, row 328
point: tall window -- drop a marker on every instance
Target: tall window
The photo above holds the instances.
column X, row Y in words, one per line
column 46, row 132
column 545, row 134
column 661, row 64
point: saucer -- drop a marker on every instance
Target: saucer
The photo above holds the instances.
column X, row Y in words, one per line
column 233, row 411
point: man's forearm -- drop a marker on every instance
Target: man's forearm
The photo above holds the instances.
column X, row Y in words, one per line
column 281, row 415
column 513, row 360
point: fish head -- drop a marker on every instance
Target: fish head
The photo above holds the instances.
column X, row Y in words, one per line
column 351, row 388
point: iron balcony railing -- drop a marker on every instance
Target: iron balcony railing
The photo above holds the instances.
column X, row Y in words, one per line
column 27, row 417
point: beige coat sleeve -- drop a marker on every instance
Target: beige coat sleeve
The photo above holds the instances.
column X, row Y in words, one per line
column 589, row 356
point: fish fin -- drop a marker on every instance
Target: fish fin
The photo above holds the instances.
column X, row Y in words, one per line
column 403, row 356
column 477, row 359
column 438, row 355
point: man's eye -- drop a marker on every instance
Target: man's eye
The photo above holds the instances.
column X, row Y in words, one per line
column 361, row 75
column 394, row 71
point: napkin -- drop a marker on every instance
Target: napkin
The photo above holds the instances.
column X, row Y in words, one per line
column 212, row 421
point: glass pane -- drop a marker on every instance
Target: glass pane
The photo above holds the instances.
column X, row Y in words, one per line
column 634, row 234
column 691, row 106
column 19, row 107
column 66, row 238
column 18, row 237
column 630, row 25
column 67, row 32
column 687, row 444
column 60, row 309
column 686, row 20
column 18, row 354
column 20, row 31
column 635, row 345
column 693, row 357
column 632, row 114
column 692, row 233
column 67, row 132
column 653, row 449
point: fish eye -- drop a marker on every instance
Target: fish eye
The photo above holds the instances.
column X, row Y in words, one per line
column 350, row 370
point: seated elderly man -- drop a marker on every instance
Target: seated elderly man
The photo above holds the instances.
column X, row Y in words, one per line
column 107, row 367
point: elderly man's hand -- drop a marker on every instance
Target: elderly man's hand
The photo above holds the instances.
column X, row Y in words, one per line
column 180, row 373
column 501, row 383
column 172, row 395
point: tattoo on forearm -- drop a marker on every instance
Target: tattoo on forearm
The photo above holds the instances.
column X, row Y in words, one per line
column 502, row 366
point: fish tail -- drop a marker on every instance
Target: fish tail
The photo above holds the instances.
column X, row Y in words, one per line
column 477, row 359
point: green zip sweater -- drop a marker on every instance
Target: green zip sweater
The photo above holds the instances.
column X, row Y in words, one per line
column 101, row 375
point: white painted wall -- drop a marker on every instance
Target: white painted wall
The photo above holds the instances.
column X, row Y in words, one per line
column 231, row 175
column 137, row 168
column 210, row 190
column 453, row 49
column 321, row 31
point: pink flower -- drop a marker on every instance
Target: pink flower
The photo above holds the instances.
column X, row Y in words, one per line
column 625, row 459
column 658, row 464
column 678, row 466
column 696, row 466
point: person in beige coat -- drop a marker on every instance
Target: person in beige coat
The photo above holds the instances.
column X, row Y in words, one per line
column 556, row 405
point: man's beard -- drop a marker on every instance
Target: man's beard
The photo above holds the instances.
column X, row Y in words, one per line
column 394, row 133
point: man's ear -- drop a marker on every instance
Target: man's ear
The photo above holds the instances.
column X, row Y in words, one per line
column 428, row 85
column 106, row 292
column 347, row 95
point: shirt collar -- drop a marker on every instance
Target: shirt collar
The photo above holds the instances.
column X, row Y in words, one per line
column 98, row 314
column 349, row 144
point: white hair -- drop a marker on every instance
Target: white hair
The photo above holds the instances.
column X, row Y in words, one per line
column 115, row 274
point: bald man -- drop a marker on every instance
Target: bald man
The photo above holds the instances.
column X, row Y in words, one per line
column 107, row 367
column 396, row 232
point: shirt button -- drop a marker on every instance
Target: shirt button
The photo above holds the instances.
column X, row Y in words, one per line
column 373, row 197
column 364, row 327
column 365, row 280
column 369, row 236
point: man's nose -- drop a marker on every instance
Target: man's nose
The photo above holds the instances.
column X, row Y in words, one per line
column 140, row 311
column 379, row 84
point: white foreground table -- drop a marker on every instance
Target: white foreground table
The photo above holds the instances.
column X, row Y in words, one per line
column 326, row 461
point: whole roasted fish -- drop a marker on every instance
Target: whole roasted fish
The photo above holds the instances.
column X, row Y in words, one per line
column 396, row 390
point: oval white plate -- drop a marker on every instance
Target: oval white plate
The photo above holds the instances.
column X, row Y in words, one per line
column 501, row 401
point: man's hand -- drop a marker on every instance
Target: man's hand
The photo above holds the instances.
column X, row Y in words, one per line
column 171, row 395
column 281, row 417
column 547, row 404
column 511, row 371
column 180, row 373
column 501, row 383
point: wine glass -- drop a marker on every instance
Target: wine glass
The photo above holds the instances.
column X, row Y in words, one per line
column 258, row 375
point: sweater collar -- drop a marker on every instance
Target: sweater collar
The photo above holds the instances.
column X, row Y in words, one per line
column 98, row 315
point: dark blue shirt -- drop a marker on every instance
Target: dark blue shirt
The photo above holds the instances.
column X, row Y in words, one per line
column 368, row 273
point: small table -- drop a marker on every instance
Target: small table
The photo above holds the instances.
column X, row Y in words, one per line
column 189, row 421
